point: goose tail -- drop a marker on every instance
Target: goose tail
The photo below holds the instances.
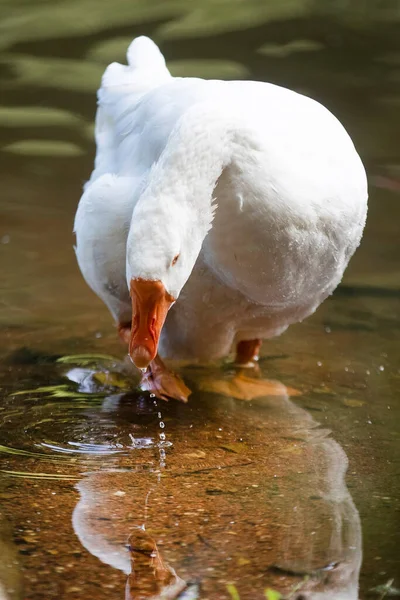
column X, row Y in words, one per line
column 122, row 87
column 145, row 70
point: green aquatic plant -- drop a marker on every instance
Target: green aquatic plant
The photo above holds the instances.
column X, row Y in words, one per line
column 269, row 593
column 100, row 374
column 102, row 369
column 272, row 594
column 28, row 475
column 57, row 391
column 386, row 590
column 19, row 452
column 233, row 591
column 84, row 360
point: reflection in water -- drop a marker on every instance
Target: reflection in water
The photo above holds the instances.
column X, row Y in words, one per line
column 323, row 536
column 150, row 577
column 277, row 513
column 10, row 579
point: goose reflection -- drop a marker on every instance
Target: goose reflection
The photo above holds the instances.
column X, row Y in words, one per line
column 250, row 494
column 150, row 577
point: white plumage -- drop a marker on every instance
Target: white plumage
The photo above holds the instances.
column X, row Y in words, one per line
column 258, row 189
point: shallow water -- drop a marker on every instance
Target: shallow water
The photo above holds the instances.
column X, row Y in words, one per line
column 295, row 489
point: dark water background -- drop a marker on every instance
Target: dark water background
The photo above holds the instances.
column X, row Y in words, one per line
column 243, row 493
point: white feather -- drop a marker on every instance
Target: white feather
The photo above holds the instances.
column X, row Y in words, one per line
column 259, row 189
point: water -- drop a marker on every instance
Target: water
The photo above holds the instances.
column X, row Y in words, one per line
column 296, row 488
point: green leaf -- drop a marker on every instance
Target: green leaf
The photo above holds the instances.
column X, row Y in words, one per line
column 33, row 475
column 233, row 591
column 85, row 359
column 272, row 594
column 45, row 388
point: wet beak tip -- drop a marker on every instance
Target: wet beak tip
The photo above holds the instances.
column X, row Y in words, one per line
column 141, row 357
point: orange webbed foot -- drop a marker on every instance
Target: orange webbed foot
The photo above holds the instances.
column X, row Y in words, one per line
column 243, row 387
column 164, row 384
column 158, row 379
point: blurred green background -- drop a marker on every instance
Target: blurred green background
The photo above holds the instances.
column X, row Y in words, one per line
column 345, row 54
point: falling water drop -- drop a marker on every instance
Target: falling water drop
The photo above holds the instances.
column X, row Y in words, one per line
column 162, row 424
column 162, row 457
column 144, row 369
column 162, row 436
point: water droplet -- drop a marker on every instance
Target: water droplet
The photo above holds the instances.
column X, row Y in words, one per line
column 159, row 415
column 162, row 424
column 152, row 395
column 162, row 436
column 144, row 369
column 381, row 368
column 162, row 458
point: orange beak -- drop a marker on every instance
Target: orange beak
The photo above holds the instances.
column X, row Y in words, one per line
column 150, row 304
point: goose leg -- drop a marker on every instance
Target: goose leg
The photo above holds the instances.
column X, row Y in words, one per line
column 247, row 352
column 158, row 379
column 124, row 332
column 247, row 382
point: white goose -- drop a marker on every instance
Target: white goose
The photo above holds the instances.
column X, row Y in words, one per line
column 232, row 206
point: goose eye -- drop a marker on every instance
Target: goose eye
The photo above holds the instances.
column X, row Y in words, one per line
column 175, row 260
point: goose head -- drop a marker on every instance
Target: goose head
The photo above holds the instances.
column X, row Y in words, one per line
column 162, row 249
